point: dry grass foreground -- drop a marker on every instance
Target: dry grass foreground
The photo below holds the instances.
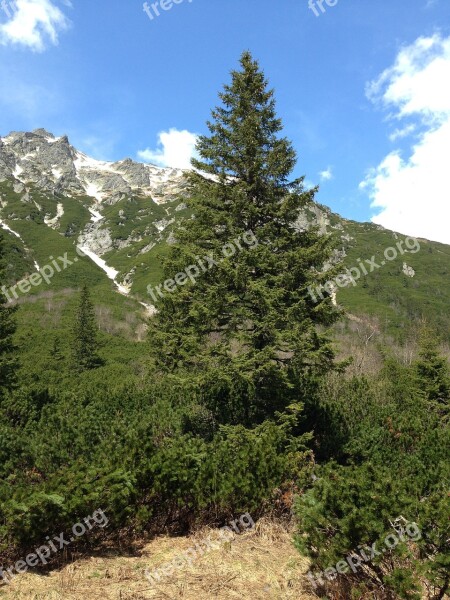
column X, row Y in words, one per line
column 260, row 564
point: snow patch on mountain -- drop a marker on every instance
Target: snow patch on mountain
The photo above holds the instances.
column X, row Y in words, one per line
column 17, row 171
column 83, row 161
column 54, row 222
column 92, row 189
column 7, row 228
column 96, row 216
column 111, row 273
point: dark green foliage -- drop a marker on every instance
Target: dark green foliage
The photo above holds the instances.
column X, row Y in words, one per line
column 200, row 422
column 8, row 355
column 126, row 453
column 432, row 373
column 84, row 343
column 238, row 470
column 247, row 329
column 393, row 452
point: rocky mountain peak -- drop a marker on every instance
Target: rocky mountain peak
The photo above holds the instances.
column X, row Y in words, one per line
column 52, row 164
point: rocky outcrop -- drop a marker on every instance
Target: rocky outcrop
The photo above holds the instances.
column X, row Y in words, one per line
column 52, row 164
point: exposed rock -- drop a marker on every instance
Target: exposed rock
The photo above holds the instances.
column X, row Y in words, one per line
column 408, row 271
column 147, row 248
column 95, row 238
column 53, row 164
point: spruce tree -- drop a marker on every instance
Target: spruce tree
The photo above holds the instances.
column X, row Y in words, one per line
column 84, row 342
column 432, row 372
column 246, row 328
column 8, row 357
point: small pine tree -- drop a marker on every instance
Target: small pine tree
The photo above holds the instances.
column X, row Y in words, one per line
column 432, row 371
column 248, row 326
column 56, row 354
column 8, row 357
column 84, row 343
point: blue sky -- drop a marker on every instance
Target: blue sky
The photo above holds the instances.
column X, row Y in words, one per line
column 363, row 88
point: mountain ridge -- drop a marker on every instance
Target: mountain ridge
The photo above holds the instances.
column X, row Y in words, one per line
column 123, row 214
column 53, row 164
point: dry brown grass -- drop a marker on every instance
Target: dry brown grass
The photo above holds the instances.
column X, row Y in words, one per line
column 259, row 564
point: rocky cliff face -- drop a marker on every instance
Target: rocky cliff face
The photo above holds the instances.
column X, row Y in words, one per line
column 52, row 164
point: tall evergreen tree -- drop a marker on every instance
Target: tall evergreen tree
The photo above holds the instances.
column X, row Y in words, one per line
column 8, row 357
column 84, row 342
column 247, row 329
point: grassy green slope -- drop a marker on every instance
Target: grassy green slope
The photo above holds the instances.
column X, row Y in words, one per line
column 137, row 218
column 44, row 337
column 44, row 245
column 387, row 293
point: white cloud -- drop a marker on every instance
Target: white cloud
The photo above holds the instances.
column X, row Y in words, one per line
column 412, row 193
column 326, row 175
column 403, row 132
column 32, row 23
column 175, row 149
